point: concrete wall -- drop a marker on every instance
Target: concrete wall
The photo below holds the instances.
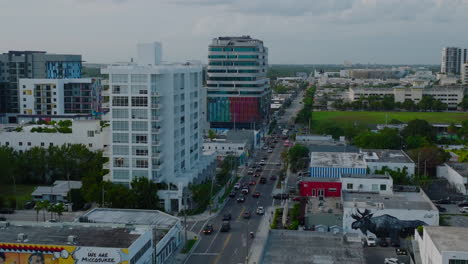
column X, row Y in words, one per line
column 453, row 177
column 172, row 237
column 391, row 165
column 368, row 184
column 147, row 257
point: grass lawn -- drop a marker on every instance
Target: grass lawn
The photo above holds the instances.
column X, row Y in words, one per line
column 380, row 117
column 23, row 193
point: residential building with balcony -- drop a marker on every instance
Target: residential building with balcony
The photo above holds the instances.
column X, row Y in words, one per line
column 238, row 91
column 452, row 60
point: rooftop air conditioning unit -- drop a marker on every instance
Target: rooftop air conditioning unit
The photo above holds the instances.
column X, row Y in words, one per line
column 22, row 237
column 72, row 240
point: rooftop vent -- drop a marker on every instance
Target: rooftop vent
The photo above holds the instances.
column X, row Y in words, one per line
column 72, row 240
column 22, row 237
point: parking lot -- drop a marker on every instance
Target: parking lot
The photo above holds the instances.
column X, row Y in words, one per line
column 375, row 255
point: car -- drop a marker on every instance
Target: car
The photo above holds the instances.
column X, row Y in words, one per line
column 245, row 191
column 250, row 172
column 444, row 201
column 298, row 198
column 270, row 151
column 257, row 175
column 256, row 194
column 401, row 252
column 208, row 229
column 273, row 178
column 278, row 164
column 225, row 226
column 226, row 217
column 29, row 205
column 240, row 199
column 246, row 215
column 2, row 218
column 252, row 182
column 275, row 141
column 391, row 261
column 262, row 163
column 395, row 242
column 463, row 210
column 232, row 194
column 272, row 146
column 441, row 209
column 265, row 147
column 383, row 243
column 369, row 241
column 463, row 204
column 281, row 196
column 263, row 180
column 260, row 210
column 259, row 169
column 237, row 186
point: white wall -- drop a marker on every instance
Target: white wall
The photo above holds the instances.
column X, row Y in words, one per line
column 391, row 165
column 174, row 234
column 453, row 177
column 147, row 257
column 366, row 184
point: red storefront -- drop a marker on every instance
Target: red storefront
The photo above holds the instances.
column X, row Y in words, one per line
column 326, row 187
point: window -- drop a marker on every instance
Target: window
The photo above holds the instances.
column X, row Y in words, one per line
column 383, row 187
column 140, row 163
column 42, row 144
column 332, row 189
column 119, row 89
column 349, row 186
column 120, row 150
column 90, row 133
column 121, row 162
column 121, row 174
column 139, row 89
column 20, row 143
column 51, row 144
column 120, row 125
column 119, row 101
column 119, row 78
column 119, row 113
column 29, row 143
column 139, row 138
column 139, row 101
column 140, row 151
column 458, row 261
column 139, row 78
column 139, row 114
column 119, row 138
column 139, row 126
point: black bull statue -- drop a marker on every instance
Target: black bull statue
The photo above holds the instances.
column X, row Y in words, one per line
column 385, row 225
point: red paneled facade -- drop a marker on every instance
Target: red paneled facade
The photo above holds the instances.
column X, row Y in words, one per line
column 320, row 188
column 245, row 109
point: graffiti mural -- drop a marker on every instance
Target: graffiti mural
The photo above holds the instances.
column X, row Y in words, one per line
column 385, row 225
column 47, row 254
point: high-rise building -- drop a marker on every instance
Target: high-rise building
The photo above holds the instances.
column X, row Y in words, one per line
column 155, row 125
column 59, row 96
column 16, row 65
column 464, row 73
column 238, row 91
column 452, row 60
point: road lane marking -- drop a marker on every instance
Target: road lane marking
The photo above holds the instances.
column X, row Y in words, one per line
column 212, row 241
column 205, row 254
column 226, row 242
column 241, row 213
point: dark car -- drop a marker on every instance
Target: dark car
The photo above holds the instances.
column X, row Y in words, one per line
column 444, row 201
column 226, row 217
column 258, row 169
column 257, row 175
column 226, row 226
column 463, row 204
column 2, row 218
column 29, row 205
column 241, row 199
column 256, row 194
column 263, row 180
column 275, row 141
column 395, row 242
column 208, row 230
column 272, row 178
column 441, row 209
column 281, row 196
column 383, row 243
column 246, row 215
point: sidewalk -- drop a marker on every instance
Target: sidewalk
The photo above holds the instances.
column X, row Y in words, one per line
column 178, row 257
column 261, row 238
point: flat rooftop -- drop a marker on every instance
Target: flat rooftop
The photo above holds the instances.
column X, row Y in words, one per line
column 448, row 238
column 397, row 200
column 366, row 176
column 461, row 168
column 386, row 155
column 294, row 247
column 324, row 212
column 337, row 160
column 57, row 234
column 320, row 179
column 154, row 218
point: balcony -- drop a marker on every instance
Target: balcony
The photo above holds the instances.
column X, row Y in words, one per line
column 158, row 155
column 156, row 130
column 158, row 167
column 157, row 143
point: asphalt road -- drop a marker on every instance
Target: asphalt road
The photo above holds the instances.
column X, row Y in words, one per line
column 233, row 246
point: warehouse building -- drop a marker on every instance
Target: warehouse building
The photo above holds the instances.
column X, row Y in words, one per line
column 334, row 164
column 396, row 160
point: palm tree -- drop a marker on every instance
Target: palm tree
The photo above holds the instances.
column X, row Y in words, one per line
column 37, row 208
column 44, row 204
column 59, row 209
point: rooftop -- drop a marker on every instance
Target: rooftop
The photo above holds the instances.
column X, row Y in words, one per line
column 386, row 155
column 448, row 238
column 320, row 179
column 337, row 160
column 154, row 218
column 59, row 187
column 57, row 234
column 461, row 168
column 289, row 246
column 366, row 176
column 397, row 200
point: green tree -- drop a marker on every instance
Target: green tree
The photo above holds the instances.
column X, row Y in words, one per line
column 298, row 157
column 146, row 193
column 429, row 158
column 413, row 142
column 211, row 134
column 419, row 127
column 385, row 139
column 464, row 104
column 463, row 131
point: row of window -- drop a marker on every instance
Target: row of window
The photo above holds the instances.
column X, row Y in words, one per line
column 229, row 148
column 136, row 101
column 51, row 144
column 135, row 78
column 124, row 125
column 229, row 79
column 375, row 187
column 233, row 56
column 239, row 49
column 235, row 63
column 232, row 71
column 235, row 92
column 124, row 113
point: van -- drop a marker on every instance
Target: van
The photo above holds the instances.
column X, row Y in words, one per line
column 226, row 226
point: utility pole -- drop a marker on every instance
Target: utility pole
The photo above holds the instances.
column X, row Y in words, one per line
column 211, row 192
column 185, row 216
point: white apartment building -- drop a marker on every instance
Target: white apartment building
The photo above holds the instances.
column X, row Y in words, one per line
column 442, row 245
column 59, row 96
column 367, row 183
column 464, row 73
column 155, row 125
column 452, row 59
column 450, row 95
column 86, row 132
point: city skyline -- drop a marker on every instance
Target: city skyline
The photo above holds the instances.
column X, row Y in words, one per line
column 297, row 32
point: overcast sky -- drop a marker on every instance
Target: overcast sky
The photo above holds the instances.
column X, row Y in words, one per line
column 295, row 31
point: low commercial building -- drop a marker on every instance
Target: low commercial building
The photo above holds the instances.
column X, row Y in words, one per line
column 87, row 132
column 367, row 183
column 406, row 208
column 65, row 243
column 57, row 192
column 395, row 160
column 320, row 187
column 442, row 245
column 165, row 229
column 456, row 174
column 334, row 164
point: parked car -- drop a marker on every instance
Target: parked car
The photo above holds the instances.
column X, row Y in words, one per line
column 463, row 204
column 256, row 194
column 29, row 205
column 237, row 186
column 258, row 169
column 232, row 194
column 441, row 209
column 246, row 215
column 263, row 180
column 208, row 230
column 278, row 163
column 270, row 150
column 250, row 172
column 369, row 241
column 275, row 141
column 464, row 209
column 257, row 175
column 444, row 201
column 260, row 210
column 2, row 218
column 298, row 198
column 262, row 162
column 240, row 199
column 272, row 178
column 392, row 261
column 281, row 196
column 226, row 217
column 265, row 147
column 225, row 226
column 245, row 190
column 383, row 243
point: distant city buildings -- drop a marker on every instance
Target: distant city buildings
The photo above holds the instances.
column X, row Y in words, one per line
column 155, row 123
column 464, row 73
column 238, row 92
column 16, row 65
column 452, row 59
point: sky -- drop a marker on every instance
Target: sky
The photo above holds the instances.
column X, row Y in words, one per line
column 295, row 31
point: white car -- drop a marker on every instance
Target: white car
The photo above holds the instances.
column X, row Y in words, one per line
column 260, row 210
column 392, row 261
column 270, row 150
column 371, row 241
column 463, row 209
column 237, row 186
